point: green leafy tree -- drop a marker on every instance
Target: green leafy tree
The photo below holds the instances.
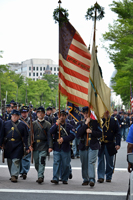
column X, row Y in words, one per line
column 7, row 84
column 52, row 81
column 34, row 91
column 120, row 49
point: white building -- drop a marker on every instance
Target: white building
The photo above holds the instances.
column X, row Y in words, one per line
column 35, row 68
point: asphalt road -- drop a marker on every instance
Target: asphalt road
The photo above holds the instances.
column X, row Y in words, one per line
column 29, row 190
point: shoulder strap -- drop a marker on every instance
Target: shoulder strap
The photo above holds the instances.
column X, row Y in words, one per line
column 25, row 123
column 64, row 129
column 41, row 127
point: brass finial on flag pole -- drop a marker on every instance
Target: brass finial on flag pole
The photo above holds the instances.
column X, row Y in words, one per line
column 59, row 2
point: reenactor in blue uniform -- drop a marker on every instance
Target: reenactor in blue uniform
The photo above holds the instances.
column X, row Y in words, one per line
column 48, row 115
column 15, row 106
column 110, row 143
column 89, row 132
column 43, row 143
column 62, row 148
column 125, row 124
column 12, row 104
column 14, row 136
column 25, row 162
column 8, row 111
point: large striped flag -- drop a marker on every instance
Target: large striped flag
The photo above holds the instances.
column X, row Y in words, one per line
column 74, row 65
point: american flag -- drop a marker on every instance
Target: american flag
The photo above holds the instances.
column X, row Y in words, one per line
column 74, row 65
column 131, row 98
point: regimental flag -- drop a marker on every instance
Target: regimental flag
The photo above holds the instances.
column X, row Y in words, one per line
column 74, row 65
column 131, row 98
column 98, row 92
column 74, row 111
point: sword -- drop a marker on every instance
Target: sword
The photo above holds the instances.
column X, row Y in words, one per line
column 114, row 163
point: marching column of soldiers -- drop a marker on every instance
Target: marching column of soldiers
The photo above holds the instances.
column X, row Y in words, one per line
column 26, row 134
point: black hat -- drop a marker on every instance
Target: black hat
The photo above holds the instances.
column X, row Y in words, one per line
column 41, row 108
column 63, row 112
column 12, row 101
column 16, row 112
column 8, row 105
column 85, row 109
column 31, row 106
column 24, row 109
column 49, row 108
column 14, row 104
column 120, row 112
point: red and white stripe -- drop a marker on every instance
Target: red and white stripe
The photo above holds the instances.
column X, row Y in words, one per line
column 74, row 72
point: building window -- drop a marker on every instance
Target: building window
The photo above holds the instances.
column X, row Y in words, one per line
column 58, row 68
column 44, row 68
column 33, row 79
column 54, row 73
column 36, row 68
column 40, row 68
column 51, row 68
column 29, row 74
column 33, row 74
column 29, row 68
column 54, row 68
column 40, row 74
column 36, row 74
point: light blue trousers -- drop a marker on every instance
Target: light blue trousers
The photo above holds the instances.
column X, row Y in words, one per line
column 40, row 168
column 88, row 164
column 13, row 166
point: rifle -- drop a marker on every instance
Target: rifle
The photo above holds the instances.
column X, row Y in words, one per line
column 31, row 132
column 3, row 157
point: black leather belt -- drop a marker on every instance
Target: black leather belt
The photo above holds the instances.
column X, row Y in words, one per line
column 38, row 140
column 13, row 140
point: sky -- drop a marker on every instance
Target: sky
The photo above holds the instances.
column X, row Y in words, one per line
column 28, row 30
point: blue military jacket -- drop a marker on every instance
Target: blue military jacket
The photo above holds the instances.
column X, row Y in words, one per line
column 125, row 122
column 7, row 116
column 113, row 132
column 65, row 146
column 111, row 135
column 12, row 141
column 95, row 135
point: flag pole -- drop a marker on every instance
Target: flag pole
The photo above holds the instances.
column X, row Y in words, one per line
column 89, row 112
column 59, row 71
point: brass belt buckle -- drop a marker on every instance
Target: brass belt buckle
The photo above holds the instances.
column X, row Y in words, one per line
column 12, row 139
column 38, row 141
